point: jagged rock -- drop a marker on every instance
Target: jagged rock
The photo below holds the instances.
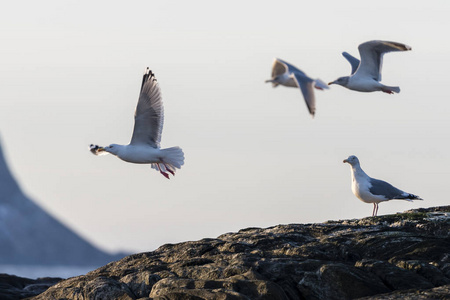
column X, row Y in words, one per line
column 383, row 256
column 14, row 287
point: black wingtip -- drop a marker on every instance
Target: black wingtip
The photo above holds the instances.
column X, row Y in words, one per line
column 148, row 75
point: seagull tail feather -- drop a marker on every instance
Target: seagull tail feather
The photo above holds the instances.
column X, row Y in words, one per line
column 392, row 89
column 173, row 157
column 408, row 197
column 319, row 84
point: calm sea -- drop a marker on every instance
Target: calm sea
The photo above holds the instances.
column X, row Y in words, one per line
column 34, row 272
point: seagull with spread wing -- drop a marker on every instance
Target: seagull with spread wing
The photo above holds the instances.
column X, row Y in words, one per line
column 286, row 74
column 144, row 147
column 366, row 75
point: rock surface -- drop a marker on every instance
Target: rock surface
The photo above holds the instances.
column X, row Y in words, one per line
column 378, row 258
column 14, row 287
column 30, row 236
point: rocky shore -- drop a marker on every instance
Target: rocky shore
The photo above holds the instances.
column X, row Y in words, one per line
column 401, row 256
column 14, row 287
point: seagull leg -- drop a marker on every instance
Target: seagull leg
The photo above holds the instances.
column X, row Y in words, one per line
column 169, row 170
column 165, row 174
column 373, row 211
column 388, row 91
column 376, row 211
column 162, row 168
column 318, row 87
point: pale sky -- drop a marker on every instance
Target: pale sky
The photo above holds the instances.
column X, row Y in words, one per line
column 71, row 73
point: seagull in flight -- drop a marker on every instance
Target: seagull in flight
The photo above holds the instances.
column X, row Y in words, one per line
column 286, row 74
column 366, row 75
column 144, row 147
column 371, row 190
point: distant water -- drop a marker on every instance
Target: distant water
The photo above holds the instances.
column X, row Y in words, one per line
column 34, row 272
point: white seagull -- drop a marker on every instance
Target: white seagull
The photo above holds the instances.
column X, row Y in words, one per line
column 144, row 147
column 366, row 76
column 371, row 190
column 286, row 74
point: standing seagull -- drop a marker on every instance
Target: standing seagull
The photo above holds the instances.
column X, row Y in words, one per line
column 371, row 190
column 288, row 75
column 144, row 147
column 366, row 76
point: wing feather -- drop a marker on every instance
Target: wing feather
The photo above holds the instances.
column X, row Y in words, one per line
column 306, row 85
column 354, row 62
column 382, row 188
column 149, row 114
column 372, row 57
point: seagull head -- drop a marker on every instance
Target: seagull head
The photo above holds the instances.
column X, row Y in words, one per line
column 341, row 81
column 352, row 160
column 113, row 149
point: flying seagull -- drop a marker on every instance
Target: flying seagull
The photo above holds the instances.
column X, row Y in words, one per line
column 286, row 74
column 366, row 76
column 371, row 190
column 144, row 147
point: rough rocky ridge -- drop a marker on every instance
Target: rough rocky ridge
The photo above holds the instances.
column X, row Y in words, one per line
column 401, row 256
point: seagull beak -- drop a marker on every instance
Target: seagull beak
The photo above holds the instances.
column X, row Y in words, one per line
column 345, row 161
column 332, row 82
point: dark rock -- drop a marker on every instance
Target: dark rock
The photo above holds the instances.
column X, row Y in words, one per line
column 340, row 281
column 376, row 257
column 14, row 287
column 442, row 292
column 393, row 277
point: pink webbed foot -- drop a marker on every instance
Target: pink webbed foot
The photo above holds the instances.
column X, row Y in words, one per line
column 388, row 92
column 163, row 167
column 318, row 87
column 165, row 174
column 170, row 171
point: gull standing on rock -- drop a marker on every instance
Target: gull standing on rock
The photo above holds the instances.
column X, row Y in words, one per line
column 371, row 190
column 288, row 75
column 366, row 76
column 144, row 147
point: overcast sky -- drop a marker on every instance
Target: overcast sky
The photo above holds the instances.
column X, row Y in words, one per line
column 71, row 73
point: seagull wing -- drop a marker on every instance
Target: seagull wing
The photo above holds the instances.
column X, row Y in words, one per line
column 382, row 188
column 280, row 64
column 319, row 84
column 149, row 115
column 306, row 85
column 372, row 57
column 354, row 62
column 278, row 68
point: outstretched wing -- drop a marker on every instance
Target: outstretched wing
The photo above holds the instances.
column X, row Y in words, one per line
column 280, row 66
column 372, row 57
column 149, row 115
column 306, row 85
column 354, row 62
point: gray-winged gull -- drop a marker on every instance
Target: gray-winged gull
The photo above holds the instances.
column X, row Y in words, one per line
column 286, row 74
column 371, row 190
column 366, row 76
column 144, row 147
